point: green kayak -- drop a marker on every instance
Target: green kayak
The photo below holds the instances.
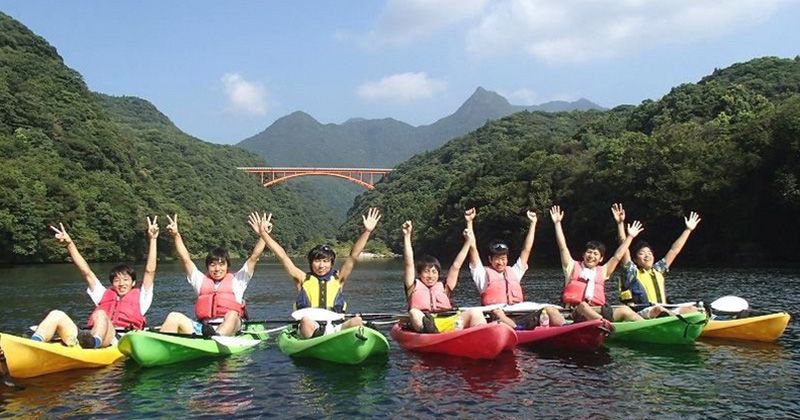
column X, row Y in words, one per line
column 351, row 346
column 681, row 329
column 149, row 348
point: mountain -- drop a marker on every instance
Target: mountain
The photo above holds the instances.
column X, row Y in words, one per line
column 380, row 142
column 727, row 147
column 100, row 164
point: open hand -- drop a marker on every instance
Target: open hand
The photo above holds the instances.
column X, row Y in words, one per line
column 618, row 212
column 265, row 223
column 254, row 220
column 371, row 219
column 635, row 228
column 692, row 220
column 556, row 214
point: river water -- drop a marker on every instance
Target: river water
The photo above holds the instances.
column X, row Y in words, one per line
column 710, row 379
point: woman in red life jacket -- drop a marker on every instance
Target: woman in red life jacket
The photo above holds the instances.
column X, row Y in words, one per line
column 426, row 294
column 322, row 286
column 120, row 307
column 220, row 293
column 500, row 283
column 584, row 286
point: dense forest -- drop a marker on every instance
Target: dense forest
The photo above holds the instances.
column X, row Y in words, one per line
column 99, row 164
column 727, row 147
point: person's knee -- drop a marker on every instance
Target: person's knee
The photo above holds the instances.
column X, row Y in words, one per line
column 356, row 321
column 99, row 315
column 56, row 314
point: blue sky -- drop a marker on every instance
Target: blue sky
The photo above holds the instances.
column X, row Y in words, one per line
column 224, row 71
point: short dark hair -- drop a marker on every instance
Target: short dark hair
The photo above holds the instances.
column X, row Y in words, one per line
column 497, row 247
column 427, row 261
column 320, row 252
column 638, row 247
column 596, row 245
column 121, row 269
column 218, row 254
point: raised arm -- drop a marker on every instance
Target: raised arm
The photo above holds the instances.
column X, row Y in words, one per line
column 527, row 246
column 409, row 274
column 150, row 266
column 63, row 238
column 455, row 268
column 634, row 229
column 370, row 222
column 265, row 230
column 474, row 255
column 254, row 220
column 619, row 217
column 691, row 223
column 183, row 253
column 557, row 216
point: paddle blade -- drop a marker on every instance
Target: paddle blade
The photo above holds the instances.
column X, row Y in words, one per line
column 732, row 304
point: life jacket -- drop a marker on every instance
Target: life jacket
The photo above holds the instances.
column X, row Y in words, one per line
column 426, row 298
column 575, row 290
column 653, row 283
column 502, row 287
column 316, row 293
column 125, row 312
column 215, row 303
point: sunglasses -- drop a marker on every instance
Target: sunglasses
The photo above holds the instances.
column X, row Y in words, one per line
column 498, row 247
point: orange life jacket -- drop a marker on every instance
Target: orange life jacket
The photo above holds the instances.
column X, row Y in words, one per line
column 125, row 312
column 575, row 290
column 502, row 287
column 213, row 303
column 427, row 298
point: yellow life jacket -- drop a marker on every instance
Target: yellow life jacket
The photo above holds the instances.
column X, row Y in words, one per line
column 315, row 293
column 653, row 283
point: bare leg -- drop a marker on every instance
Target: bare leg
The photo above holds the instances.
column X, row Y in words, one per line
column 177, row 322
column 416, row 319
column 355, row 321
column 231, row 324
column 587, row 312
column 57, row 322
column 307, row 327
column 473, row 318
column 501, row 316
column 687, row 309
column 103, row 328
column 624, row 313
column 556, row 319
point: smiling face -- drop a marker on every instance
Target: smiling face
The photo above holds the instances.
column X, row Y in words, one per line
column 122, row 283
column 217, row 269
column 644, row 258
column 321, row 266
column 499, row 262
column 592, row 258
column 429, row 275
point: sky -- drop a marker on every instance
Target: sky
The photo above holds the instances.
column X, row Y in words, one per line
column 223, row 71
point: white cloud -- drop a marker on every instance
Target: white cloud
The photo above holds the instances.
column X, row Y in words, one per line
column 404, row 21
column 244, row 97
column 402, row 87
column 579, row 30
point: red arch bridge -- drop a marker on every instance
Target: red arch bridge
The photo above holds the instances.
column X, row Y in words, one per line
column 365, row 177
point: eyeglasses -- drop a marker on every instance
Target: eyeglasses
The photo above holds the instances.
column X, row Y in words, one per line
column 498, row 247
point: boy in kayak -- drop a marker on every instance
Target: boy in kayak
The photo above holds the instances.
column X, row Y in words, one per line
column 585, row 280
column 220, row 293
column 321, row 286
column 500, row 283
column 642, row 282
column 120, row 307
column 426, row 294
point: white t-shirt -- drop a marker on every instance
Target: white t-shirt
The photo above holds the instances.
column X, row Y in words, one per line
column 145, row 296
column 479, row 273
column 240, row 281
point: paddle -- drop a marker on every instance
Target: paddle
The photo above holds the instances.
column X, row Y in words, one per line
column 324, row 315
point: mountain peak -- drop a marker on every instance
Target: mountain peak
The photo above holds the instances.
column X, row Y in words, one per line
column 485, row 103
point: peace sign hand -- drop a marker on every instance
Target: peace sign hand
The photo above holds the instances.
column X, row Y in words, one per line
column 61, row 234
column 172, row 227
column 152, row 227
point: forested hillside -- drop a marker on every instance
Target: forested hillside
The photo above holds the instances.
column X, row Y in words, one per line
column 100, row 164
column 727, row 147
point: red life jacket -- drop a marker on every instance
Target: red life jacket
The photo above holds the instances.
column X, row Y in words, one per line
column 575, row 290
column 125, row 312
column 427, row 298
column 216, row 303
column 502, row 287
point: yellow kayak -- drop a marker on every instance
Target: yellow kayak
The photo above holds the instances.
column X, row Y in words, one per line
column 755, row 328
column 26, row 358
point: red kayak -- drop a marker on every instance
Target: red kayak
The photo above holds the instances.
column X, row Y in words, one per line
column 483, row 342
column 587, row 335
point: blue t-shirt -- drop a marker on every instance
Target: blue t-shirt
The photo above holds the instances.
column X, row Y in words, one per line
column 631, row 282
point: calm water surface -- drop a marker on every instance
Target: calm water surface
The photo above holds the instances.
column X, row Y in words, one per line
column 708, row 379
